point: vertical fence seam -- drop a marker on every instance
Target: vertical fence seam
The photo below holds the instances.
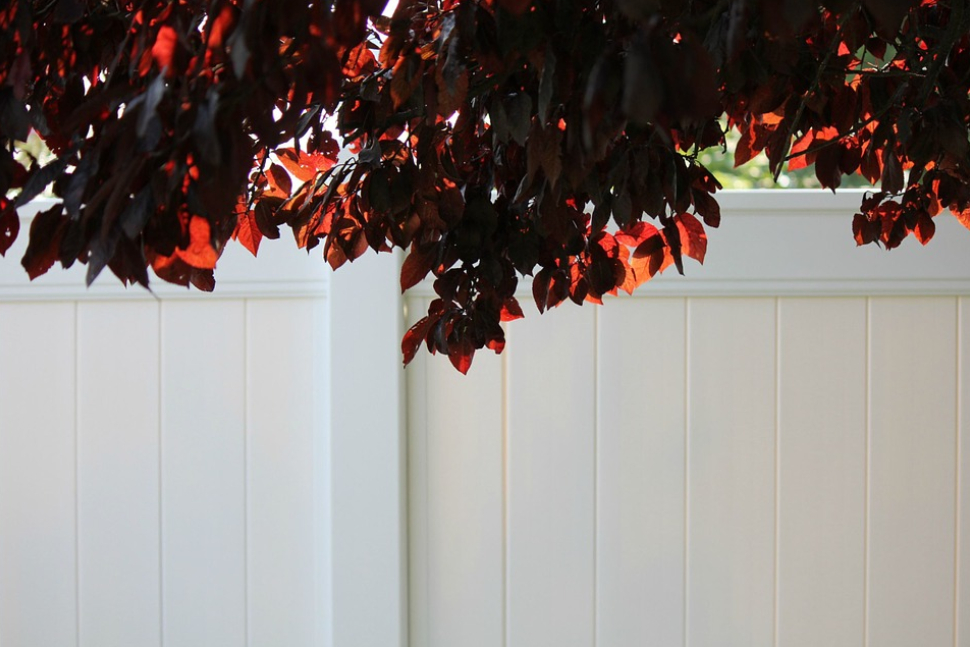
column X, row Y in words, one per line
column 596, row 443
column 505, row 498
column 426, row 477
column 161, row 526
column 865, row 551
column 245, row 470
column 777, row 538
column 77, row 479
column 687, row 399
column 958, row 475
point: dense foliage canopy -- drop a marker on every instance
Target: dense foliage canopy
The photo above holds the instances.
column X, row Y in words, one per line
column 491, row 138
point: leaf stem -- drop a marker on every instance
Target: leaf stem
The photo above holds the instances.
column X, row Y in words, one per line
column 833, row 48
column 852, row 131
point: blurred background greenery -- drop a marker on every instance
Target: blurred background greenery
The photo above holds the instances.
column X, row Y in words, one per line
column 756, row 175
column 720, row 161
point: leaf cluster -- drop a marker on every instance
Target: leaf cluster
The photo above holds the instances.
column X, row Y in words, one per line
column 492, row 139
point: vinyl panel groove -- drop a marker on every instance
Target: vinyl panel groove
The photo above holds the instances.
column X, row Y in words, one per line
column 597, row 391
column 505, row 498
column 868, row 479
column 957, row 477
column 322, row 472
column 418, row 386
column 160, row 362
column 247, row 403
column 962, row 594
column 77, row 547
column 777, row 398
column 687, row 539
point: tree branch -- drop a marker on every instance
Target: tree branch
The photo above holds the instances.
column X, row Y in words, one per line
column 852, row 131
column 955, row 29
column 833, row 48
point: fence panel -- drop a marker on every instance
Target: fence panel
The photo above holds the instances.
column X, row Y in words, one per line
column 38, row 514
column 912, row 470
column 819, row 495
column 821, row 463
column 551, row 479
column 164, row 458
column 641, row 472
column 203, row 473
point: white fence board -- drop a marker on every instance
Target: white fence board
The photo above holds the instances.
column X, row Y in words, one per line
column 551, row 464
column 912, row 472
column 118, row 474
column 203, row 473
column 456, row 503
column 465, row 538
column 282, row 604
column 367, row 454
column 640, row 473
column 731, row 472
column 822, row 468
column 419, row 388
column 38, row 601
column 614, row 527
column 159, row 440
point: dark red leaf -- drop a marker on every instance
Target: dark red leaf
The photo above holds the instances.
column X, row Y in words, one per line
column 540, row 289
column 247, row 231
column 416, row 266
column 892, row 173
column 745, row 150
column 9, row 225
column 163, row 51
column 304, row 166
column 827, row 167
column 636, row 233
column 511, row 310
column 45, row 240
column 415, row 336
column 515, row 6
column 925, row 228
column 693, row 239
column 707, row 208
column 280, row 181
column 461, row 354
column 865, row 231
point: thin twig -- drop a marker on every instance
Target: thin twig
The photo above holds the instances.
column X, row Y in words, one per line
column 822, row 68
column 955, row 29
column 123, row 48
column 885, row 73
column 852, row 131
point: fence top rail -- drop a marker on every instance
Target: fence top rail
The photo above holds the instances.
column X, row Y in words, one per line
column 772, row 242
column 280, row 271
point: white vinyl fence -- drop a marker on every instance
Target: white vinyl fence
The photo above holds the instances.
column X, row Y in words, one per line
column 768, row 453
column 166, row 459
column 771, row 452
